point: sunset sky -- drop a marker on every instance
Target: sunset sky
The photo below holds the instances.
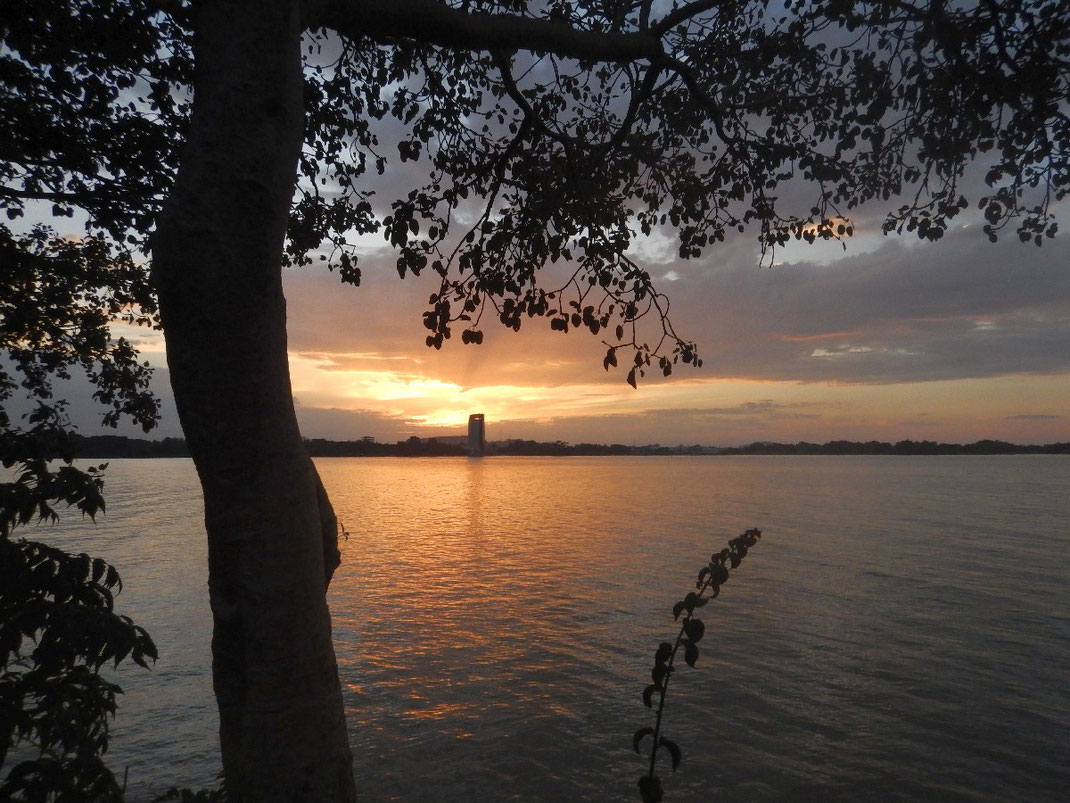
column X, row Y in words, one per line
column 891, row 339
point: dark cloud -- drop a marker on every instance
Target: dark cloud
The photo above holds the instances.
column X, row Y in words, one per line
column 900, row 313
column 86, row 414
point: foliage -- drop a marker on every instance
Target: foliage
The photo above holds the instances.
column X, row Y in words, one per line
column 593, row 125
column 59, row 299
column 692, row 629
column 91, row 122
column 564, row 133
column 57, row 622
column 57, row 629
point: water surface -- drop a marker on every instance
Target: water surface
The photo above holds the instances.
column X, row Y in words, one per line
column 902, row 631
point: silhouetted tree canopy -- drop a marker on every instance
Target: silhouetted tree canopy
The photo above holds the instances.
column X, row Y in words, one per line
column 562, row 132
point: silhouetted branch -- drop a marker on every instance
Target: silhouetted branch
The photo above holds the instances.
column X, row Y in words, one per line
column 710, row 578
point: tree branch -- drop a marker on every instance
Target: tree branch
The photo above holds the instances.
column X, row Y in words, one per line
column 438, row 24
column 683, row 14
column 41, row 195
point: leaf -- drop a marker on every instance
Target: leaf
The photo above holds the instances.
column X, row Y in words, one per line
column 702, row 575
column 648, row 694
column 674, row 751
column 663, row 652
column 639, row 734
column 690, row 652
column 111, row 579
column 688, row 603
column 657, row 674
column 650, row 789
column 695, row 629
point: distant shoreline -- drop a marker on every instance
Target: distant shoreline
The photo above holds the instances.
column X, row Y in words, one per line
column 104, row 447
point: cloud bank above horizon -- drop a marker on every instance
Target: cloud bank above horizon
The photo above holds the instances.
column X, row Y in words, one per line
column 893, row 339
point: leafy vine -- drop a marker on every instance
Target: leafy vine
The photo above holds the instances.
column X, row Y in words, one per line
column 710, row 578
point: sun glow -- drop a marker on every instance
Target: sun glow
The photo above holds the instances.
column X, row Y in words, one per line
column 396, row 398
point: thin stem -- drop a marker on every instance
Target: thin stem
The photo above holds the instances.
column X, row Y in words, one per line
column 665, row 683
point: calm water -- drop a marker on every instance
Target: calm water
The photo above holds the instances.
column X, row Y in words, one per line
column 902, row 631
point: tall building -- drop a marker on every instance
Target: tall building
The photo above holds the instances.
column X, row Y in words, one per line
column 477, row 435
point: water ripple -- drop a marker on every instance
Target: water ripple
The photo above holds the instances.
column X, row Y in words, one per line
column 901, row 633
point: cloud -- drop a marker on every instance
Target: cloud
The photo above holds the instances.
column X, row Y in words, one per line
column 877, row 343
column 339, row 424
column 953, row 317
column 898, row 313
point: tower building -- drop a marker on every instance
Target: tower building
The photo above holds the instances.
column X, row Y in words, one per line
column 477, row 435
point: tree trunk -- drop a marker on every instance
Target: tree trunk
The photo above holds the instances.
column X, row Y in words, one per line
column 271, row 549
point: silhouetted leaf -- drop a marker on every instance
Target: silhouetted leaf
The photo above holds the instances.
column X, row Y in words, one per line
column 674, row 751
column 639, row 734
column 695, row 629
column 662, row 654
column 704, row 572
column 690, row 652
column 657, row 674
column 648, row 694
column 688, row 603
column 650, row 789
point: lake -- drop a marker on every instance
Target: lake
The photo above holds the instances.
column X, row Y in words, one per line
column 901, row 631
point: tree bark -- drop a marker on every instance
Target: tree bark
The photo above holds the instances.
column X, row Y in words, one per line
column 217, row 267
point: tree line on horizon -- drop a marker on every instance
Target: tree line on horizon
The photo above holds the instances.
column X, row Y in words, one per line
column 98, row 447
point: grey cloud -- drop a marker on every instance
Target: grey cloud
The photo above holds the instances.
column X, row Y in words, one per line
column 962, row 309
column 766, row 408
column 86, row 413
